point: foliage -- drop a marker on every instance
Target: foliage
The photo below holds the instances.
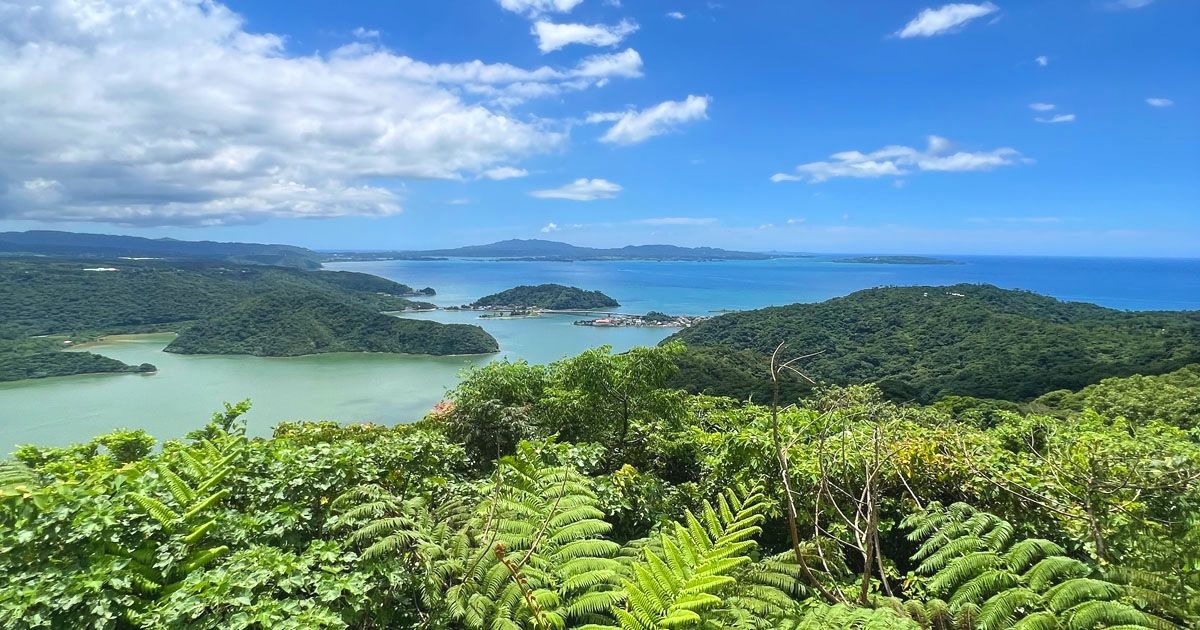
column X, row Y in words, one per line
column 547, row 296
column 923, row 343
column 981, row 570
column 616, row 399
column 1173, row 398
column 589, row 493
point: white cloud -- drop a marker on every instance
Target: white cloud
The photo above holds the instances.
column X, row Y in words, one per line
column 945, row 19
column 553, row 36
column 1042, row 60
column 538, row 7
column 170, row 112
column 625, row 64
column 582, row 189
column 1159, row 102
column 676, row 221
column 1130, row 4
column 795, row 221
column 1041, row 107
column 366, row 33
column 503, row 172
column 461, row 201
column 676, row 15
column 549, row 227
column 895, row 161
column 1061, row 118
column 637, row 126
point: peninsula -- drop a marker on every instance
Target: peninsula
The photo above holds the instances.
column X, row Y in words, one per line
column 284, row 325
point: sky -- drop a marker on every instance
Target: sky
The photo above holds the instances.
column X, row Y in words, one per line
column 1048, row 127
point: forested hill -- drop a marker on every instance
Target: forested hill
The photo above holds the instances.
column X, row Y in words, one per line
column 44, row 297
column 110, row 246
column 547, row 296
column 282, row 324
column 922, row 343
column 76, row 300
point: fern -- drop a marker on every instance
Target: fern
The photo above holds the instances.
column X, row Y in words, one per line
column 992, row 582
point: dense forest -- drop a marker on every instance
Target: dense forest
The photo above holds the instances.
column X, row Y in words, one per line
column 590, row 494
column 282, row 324
column 547, row 296
column 79, row 300
column 923, row 343
column 22, row 358
column 44, row 297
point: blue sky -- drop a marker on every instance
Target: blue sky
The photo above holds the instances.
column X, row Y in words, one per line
column 1052, row 127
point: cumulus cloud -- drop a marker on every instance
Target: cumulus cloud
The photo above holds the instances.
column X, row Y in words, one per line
column 895, row 161
column 795, row 221
column 535, row 8
column 1061, row 118
column 676, row 15
column 582, row 189
column 1042, row 60
column 553, row 36
column 1041, row 107
column 637, row 126
column 503, row 172
column 170, row 112
column 549, row 227
column 1159, row 102
column 945, row 19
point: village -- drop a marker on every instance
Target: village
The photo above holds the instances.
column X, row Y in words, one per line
column 652, row 319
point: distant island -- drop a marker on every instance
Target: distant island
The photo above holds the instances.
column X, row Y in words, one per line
column 923, row 343
column 543, row 250
column 113, row 247
column 555, row 297
column 49, row 304
column 897, row 260
column 283, row 325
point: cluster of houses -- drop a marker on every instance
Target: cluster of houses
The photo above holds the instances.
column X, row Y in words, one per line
column 652, row 320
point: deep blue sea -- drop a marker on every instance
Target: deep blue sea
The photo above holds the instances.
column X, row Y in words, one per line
column 696, row 288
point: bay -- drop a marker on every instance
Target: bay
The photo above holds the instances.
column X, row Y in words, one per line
column 393, row 388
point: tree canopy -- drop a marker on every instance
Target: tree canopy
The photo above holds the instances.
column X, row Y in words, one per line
column 923, row 343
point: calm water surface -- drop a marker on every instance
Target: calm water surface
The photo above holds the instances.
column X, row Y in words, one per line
column 390, row 389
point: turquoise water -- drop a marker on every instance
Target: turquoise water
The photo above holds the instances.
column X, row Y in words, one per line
column 391, row 389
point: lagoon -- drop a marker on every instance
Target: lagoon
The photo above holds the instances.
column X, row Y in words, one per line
column 392, row 388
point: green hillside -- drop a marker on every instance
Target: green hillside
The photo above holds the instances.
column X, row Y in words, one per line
column 82, row 299
column 547, row 296
column 43, row 297
column 282, row 324
column 922, row 343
